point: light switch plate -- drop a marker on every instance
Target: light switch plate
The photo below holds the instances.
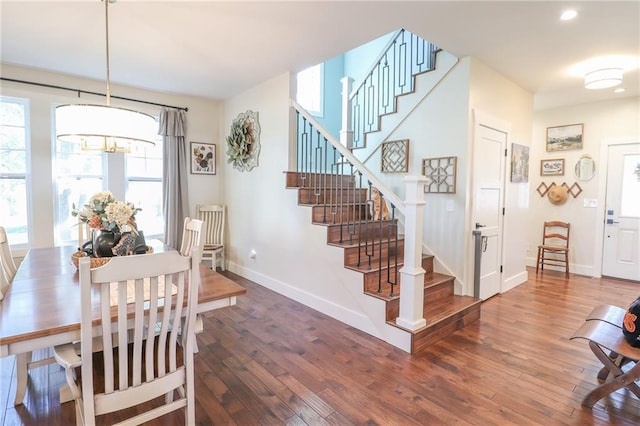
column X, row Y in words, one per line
column 590, row 202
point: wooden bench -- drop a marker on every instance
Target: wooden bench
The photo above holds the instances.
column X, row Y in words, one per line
column 603, row 329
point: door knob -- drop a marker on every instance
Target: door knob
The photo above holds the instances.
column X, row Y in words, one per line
column 479, row 226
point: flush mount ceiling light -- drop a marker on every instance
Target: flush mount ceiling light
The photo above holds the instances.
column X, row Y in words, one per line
column 603, row 78
column 103, row 127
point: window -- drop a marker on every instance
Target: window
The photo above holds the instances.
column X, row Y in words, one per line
column 79, row 174
column 14, row 171
column 144, row 186
column 309, row 89
column 630, row 203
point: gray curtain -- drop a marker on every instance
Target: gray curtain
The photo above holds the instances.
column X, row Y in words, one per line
column 173, row 128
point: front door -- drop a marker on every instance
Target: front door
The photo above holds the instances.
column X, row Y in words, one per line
column 621, row 250
column 488, row 181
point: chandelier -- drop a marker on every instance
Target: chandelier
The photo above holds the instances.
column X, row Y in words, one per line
column 103, row 127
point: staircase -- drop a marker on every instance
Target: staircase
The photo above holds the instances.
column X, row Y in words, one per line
column 337, row 186
column 376, row 250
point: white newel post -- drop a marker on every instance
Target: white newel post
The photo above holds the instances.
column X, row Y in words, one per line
column 346, row 133
column 412, row 273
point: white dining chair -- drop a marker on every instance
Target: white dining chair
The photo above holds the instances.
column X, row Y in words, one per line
column 214, row 218
column 4, row 282
column 24, row 361
column 142, row 348
column 8, row 264
column 191, row 236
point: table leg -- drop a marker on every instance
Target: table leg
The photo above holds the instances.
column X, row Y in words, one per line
column 22, row 366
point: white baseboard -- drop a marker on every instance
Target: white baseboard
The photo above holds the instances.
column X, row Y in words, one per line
column 514, row 281
column 383, row 331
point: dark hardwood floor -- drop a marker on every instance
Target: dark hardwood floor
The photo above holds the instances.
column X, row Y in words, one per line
column 271, row 361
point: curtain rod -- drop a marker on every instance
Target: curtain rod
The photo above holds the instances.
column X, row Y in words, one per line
column 80, row 91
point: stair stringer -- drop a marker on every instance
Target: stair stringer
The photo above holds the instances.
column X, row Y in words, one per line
column 424, row 83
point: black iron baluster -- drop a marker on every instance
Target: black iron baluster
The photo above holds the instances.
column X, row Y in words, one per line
column 391, row 234
column 304, row 139
column 369, row 252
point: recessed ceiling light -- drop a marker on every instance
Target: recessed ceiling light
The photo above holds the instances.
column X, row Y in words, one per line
column 568, row 15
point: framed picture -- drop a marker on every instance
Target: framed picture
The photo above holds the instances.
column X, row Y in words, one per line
column 203, row 158
column 519, row 163
column 554, row 167
column 564, row 138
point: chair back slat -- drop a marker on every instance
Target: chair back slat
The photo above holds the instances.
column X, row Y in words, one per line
column 214, row 218
column 556, row 232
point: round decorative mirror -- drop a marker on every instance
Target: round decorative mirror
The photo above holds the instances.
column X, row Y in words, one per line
column 585, row 168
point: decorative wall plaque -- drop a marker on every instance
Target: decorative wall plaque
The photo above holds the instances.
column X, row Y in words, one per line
column 441, row 174
column 244, row 141
column 395, row 156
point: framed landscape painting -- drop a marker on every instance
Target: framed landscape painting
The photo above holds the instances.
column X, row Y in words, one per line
column 564, row 138
column 203, row 158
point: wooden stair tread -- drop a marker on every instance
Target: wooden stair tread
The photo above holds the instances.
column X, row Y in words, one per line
column 442, row 309
column 435, row 278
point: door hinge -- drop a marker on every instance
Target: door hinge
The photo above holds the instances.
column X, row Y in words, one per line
column 500, row 268
column 503, row 211
column 505, row 152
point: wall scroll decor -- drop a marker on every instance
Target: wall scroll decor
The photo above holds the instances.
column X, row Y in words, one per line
column 203, row 158
column 519, row 163
column 553, row 167
column 441, row 174
column 395, row 156
column 244, row 141
column 564, row 138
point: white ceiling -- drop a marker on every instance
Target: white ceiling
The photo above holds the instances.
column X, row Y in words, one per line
column 218, row 49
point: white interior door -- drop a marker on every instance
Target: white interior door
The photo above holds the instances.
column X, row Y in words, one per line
column 488, row 192
column 621, row 250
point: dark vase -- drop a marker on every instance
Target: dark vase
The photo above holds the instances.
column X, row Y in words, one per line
column 103, row 242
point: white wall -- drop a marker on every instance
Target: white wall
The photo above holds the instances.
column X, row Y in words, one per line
column 499, row 97
column 602, row 120
column 202, row 126
column 292, row 256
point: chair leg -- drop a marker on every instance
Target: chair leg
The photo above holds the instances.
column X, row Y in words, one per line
column 538, row 260
column 566, row 263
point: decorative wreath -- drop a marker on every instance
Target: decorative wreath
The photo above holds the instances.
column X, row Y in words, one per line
column 244, row 141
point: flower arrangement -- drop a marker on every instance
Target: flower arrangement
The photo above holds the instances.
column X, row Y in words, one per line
column 103, row 212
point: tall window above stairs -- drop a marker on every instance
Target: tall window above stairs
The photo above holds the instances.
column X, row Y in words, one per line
column 310, row 89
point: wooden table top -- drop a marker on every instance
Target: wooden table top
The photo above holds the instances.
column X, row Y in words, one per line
column 44, row 298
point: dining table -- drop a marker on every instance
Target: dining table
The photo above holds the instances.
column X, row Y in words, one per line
column 42, row 306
